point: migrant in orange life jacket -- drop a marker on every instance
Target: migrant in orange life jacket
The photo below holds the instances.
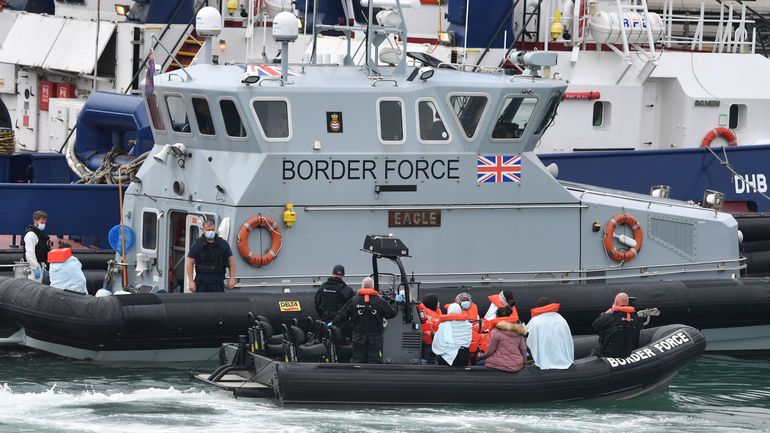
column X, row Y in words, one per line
column 495, row 299
column 550, row 308
column 429, row 320
column 59, row 255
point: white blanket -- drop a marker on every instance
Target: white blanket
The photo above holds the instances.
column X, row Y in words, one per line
column 68, row 275
column 550, row 341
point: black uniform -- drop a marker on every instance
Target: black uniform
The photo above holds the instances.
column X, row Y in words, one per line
column 331, row 297
column 618, row 335
column 366, row 318
column 42, row 248
column 211, row 261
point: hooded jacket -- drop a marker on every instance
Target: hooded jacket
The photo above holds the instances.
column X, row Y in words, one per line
column 507, row 349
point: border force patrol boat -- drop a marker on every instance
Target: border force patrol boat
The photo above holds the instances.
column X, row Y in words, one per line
column 296, row 163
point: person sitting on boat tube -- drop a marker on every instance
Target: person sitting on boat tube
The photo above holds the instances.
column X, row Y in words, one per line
column 507, row 350
column 618, row 329
column 452, row 341
column 36, row 245
column 211, row 256
column 366, row 312
column 550, row 339
column 66, row 270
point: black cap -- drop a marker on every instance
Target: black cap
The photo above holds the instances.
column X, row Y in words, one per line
column 338, row 270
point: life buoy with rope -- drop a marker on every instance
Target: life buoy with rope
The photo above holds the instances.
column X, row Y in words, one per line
column 723, row 132
column 256, row 222
column 617, row 254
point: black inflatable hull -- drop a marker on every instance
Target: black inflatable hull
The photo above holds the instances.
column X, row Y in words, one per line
column 650, row 368
column 163, row 322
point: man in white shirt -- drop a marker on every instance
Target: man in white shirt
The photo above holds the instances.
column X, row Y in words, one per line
column 36, row 246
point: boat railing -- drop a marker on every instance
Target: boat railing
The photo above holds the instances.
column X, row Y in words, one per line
column 729, row 32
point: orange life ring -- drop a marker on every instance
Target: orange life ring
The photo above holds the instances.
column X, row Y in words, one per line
column 723, row 132
column 257, row 222
column 609, row 242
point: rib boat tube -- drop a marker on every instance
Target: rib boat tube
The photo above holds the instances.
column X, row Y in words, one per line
column 733, row 314
column 650, row 368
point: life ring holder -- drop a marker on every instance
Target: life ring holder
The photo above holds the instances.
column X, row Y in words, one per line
column 723, row 132
column 615, row 253
column 257, row 222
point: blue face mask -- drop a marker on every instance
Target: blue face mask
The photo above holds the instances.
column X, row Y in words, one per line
column 41, row 226
column 210, row 234
column 465, row 305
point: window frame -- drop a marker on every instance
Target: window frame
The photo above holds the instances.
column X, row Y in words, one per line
column 404, row 128
column 259, row 124
column 224, row 124
column 195, row 115
column 154, row 251
column 159, row 106
column 500, row 111
column 482, row 118
column 441, row 115
column 168, row 114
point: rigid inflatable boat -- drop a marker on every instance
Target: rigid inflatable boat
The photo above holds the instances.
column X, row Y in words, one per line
column 650, row 368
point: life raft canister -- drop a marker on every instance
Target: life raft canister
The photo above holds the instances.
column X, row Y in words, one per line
column 620, row 255
column 721, row 131
column 255, row 222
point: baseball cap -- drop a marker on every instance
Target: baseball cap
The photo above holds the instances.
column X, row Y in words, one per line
column 338, row 269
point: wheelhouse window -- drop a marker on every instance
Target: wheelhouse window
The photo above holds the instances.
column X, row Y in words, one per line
column 150, row 230
column 737, row 119
column 513, row 118
column 273, row 118
column 203, row 115
column 601, row 114
column 177, row 112
column 430, row 125
column 468, row 110
column 232, row 118
column 154, row 109
column 390, row 119
column 550, row 114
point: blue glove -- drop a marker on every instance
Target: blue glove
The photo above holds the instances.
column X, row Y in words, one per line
column 36, row 273
column 45, row 273
column 399, row 298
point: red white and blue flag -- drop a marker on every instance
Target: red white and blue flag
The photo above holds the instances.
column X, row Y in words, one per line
column 269, row 71
column 498, row 168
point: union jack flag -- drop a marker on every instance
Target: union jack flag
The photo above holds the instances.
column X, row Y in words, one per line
column 269, row 71
column 498, row 168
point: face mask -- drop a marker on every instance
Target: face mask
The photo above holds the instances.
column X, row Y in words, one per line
column 465, row 305
column 41, row 226
column 210, row 234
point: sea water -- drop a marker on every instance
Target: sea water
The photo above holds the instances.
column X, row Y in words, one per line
column 43, row 393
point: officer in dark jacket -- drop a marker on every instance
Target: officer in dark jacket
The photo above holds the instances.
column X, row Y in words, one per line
column 332, row 295
column 618, row 329
column 366, row 312
column 211, row 256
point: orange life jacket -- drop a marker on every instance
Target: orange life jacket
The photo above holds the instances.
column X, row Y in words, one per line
column 623, row 309
column 366, row 293
column 429, row 320
column 550, row 308
column 495, row 299
column 473, row 311
column 59, row 255
column 489, row 325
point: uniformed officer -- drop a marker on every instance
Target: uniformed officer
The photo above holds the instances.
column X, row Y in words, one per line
column 36, row 245
column 332, row 295
column 618, row 329
column 211, row 256
column 366, row 312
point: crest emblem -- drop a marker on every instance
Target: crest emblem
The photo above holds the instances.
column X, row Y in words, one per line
column 333, row 121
